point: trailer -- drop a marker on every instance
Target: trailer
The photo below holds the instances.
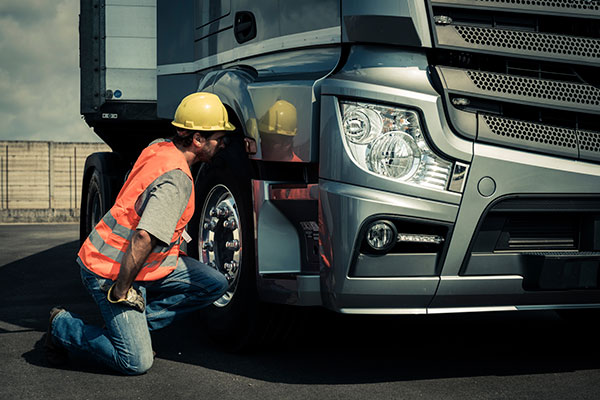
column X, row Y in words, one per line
column 414, row 157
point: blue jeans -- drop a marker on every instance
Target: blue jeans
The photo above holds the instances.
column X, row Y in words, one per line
column 124, row 344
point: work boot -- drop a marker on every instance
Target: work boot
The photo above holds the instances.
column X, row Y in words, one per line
column 55, row 354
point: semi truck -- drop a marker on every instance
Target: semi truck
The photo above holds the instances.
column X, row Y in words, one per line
column 412, row 156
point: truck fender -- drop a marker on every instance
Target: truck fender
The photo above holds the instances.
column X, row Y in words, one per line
column 231, row 86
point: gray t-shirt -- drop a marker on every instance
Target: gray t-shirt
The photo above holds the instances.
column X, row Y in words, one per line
column 163, row 202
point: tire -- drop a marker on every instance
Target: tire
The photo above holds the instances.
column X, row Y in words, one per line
column 239, row 321
column 103, row 179
column 96, row 203
column 233, row 320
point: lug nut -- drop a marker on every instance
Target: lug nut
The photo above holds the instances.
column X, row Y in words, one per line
column 210, row 225
column 230, row 224
column 223, row 212
column 231, row 267
column 233, row 245
column 208, row 245
column 220, row 212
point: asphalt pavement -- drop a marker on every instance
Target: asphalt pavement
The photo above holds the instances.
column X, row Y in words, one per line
column 525, row 355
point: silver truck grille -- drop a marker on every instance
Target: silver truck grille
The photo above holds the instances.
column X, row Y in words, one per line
column 521, row 73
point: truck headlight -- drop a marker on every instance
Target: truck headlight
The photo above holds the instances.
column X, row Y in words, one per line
column 388, row 141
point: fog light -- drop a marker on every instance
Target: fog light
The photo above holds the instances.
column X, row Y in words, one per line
column 382, row 235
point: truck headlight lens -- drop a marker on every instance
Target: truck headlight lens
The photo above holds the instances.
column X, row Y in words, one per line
column 389, row 142
column 394, row 154
column 361, row 125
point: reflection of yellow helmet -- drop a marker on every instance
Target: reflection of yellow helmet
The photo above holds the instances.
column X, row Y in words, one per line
column 280, row 119
column 202, row 112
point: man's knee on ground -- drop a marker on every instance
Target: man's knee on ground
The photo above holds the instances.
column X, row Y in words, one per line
column 137, row 365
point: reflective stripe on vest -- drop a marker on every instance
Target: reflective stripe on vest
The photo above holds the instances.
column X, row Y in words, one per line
column 105, row 247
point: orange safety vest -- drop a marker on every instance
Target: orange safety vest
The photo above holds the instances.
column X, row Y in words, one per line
column 103, row 250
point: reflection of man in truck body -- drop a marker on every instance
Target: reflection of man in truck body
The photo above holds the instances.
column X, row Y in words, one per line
column 277, row 129
column 132, row 257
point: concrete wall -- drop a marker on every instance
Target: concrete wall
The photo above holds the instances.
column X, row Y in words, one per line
column 41, row 181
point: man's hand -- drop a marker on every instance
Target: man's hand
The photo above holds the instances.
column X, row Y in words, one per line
column 133, row 298
column 122, row 291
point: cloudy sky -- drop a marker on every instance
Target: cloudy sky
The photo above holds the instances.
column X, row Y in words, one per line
column 39, row 71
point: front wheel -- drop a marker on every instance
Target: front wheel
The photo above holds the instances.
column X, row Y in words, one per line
column 220, row 237
column 222, row 233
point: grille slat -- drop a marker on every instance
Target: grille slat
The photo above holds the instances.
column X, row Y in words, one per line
column 540, row 137
column 537, row 133
column 582, row 8
column 555, row 92
column 532, row 44
column 522, row 89
column 562, row 253
column 528, row 135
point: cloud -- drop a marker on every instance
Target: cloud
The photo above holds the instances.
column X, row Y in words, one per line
column 39, row 71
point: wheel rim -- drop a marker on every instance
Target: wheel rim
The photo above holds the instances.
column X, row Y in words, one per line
column 220, row 239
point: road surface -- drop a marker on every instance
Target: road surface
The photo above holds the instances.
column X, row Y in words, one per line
column 527, row 355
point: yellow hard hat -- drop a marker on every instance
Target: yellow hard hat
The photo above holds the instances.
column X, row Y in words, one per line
column 202, row 112
column 280, row 119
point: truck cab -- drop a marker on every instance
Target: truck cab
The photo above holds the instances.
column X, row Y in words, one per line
column 413, row 157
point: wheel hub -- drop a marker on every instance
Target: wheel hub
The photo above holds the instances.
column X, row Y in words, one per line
column 220, row 239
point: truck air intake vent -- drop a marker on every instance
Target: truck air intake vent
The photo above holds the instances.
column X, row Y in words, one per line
column 553, row 243
column 568, row 4
column 530, row 88
column 538, row 133
column 539, row 137
column 528, row 134
column 569, row 7
column 518, row 29
column 521, row 89
column 533, row 43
